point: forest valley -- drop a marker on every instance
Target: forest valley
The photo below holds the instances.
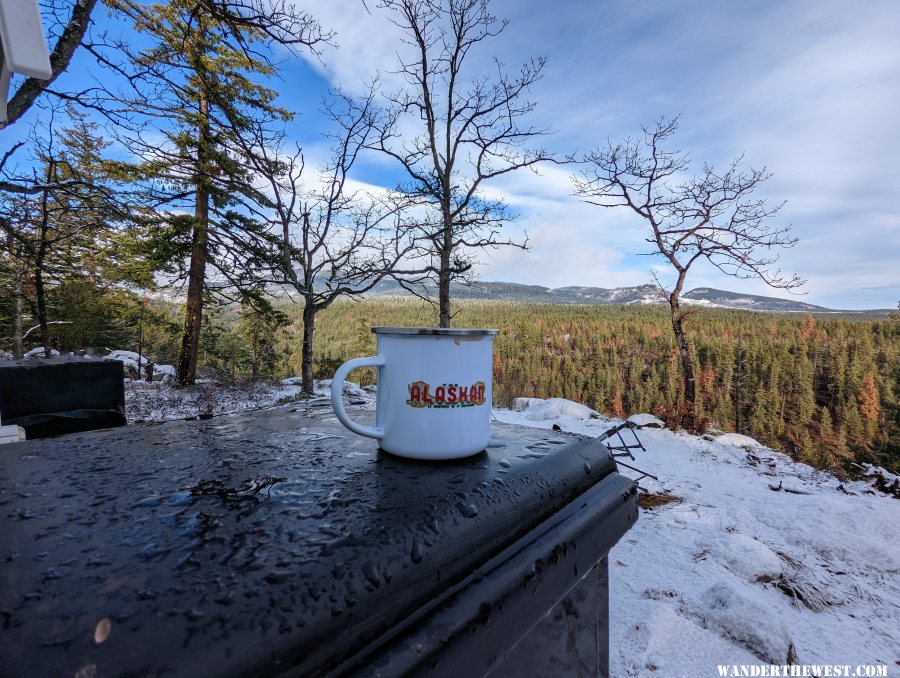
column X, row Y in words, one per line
column 825, row 390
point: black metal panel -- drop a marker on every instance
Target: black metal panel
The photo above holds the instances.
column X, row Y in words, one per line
column 276, row 541
column 57, row 396
column 572, row 639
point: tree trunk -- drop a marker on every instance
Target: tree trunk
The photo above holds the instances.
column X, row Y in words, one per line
column 40, row 293
column 309, row 327
column 255, row 347
column 41, row 299
column 140, row 346
column 737, row 387
column 18, row 348
column 193, row 314
column 444, row 275
column 687, row 363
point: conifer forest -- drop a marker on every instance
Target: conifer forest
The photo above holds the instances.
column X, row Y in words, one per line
column 824, row 389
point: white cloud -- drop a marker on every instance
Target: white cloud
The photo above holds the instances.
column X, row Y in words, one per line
column 807, row 89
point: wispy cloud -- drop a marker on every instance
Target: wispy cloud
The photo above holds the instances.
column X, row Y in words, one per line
column 809, row 90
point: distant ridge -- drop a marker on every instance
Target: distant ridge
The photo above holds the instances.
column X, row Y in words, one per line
column 642, row 294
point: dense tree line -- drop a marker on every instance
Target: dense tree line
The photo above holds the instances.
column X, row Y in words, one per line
column 825, row 390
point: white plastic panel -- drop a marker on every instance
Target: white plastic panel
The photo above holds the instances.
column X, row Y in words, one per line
column 24, row 46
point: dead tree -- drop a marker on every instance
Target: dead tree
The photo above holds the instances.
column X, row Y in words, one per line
column 453, row 129
column 712, row 216
column 332, row 241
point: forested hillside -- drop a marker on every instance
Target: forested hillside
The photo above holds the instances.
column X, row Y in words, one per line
column 825, row 390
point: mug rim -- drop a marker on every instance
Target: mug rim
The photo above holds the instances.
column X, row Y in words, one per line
column 438, row 331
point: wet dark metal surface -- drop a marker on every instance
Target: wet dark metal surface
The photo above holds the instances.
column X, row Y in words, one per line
column 572, row 639
column 56, row 396
column 252, row 544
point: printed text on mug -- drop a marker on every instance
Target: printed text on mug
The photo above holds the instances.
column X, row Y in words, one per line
column 421, row 394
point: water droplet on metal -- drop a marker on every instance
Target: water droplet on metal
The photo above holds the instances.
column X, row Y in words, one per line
column 468, row 510
column 87, row 671
column 102, row 631
column 417, row 551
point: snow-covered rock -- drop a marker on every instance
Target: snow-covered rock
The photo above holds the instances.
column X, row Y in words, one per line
column 554, row 408
column 738, row 440
column 130, row 360
column 646, row 420
column 746, row 557
column 736, row 618
column 350, row 389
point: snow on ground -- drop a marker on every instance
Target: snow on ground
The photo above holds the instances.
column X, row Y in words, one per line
column 161, row 401
column 553, row 408
column 733, row 572
column 755, row 559
column 37, row 353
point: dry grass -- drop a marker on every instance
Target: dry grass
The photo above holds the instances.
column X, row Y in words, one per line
column 651, row 501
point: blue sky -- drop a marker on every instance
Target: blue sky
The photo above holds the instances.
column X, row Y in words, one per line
column 810, row 90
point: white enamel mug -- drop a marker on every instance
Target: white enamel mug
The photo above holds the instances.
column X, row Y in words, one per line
column 434, row 391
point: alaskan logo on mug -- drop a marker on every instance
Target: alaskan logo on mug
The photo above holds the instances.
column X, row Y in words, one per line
column 445, row 395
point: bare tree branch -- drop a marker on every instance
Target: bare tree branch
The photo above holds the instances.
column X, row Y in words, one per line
column 470, row 131
column 711, row 215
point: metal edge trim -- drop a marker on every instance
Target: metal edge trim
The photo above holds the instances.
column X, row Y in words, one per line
column 438, row 331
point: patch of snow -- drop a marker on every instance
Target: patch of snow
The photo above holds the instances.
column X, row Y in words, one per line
column 38, row 353
column 737, row 440
column 554, row 408
column 735, row 572
column 737, row 618
column 131, row 359
column 648, row 420
column 746, row 557
column 160, row 401
column 350, row 389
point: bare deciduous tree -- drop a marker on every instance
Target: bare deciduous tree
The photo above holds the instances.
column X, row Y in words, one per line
column 334, row 241
column 711, row 216
column 453, row 129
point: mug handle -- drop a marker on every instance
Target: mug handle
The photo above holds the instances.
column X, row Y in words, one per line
column 337, row 392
